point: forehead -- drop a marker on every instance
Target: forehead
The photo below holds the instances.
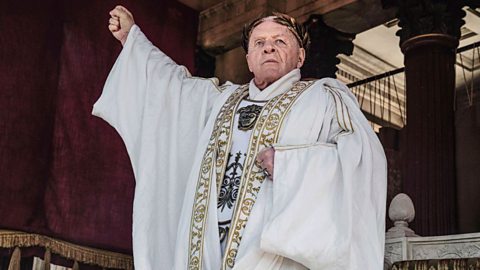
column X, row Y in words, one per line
column 270, row 28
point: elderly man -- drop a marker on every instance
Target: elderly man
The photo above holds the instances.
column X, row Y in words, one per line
column 275, row 174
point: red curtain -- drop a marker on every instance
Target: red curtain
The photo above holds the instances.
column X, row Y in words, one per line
column 63, row 172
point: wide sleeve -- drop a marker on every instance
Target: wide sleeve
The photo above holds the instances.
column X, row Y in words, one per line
column 328, row 208
column 146, row 87
column 160, row 112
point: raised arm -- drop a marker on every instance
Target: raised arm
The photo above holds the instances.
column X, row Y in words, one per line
column 120, row 23
column 160, row 112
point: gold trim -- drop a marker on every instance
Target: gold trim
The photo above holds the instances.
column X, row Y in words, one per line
column 224, row 137
column 15, row 259
column 255, row 101
column 345, row 120
column 214, row 161
column 47, row 257
column 103, row 258
column 214, row 158
column 265, row 133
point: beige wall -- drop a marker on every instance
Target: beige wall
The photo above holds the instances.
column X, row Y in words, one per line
column 467, row 136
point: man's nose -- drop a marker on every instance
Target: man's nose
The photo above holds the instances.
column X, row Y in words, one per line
column 268, row 48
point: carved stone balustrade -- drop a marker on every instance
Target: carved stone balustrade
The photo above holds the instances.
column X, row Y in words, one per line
column 402, row 244
column 432, row 247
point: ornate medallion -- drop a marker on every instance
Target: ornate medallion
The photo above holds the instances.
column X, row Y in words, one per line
column 248, row 116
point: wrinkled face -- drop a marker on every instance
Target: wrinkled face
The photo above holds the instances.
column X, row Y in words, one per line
column 273, row 52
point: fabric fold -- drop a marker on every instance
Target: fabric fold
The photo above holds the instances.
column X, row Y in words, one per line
column 160, row 112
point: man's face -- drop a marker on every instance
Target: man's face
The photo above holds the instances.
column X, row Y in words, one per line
column 273, row 52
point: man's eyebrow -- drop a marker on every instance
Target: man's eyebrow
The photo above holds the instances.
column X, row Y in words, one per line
column 263, row 37
column 279, row 35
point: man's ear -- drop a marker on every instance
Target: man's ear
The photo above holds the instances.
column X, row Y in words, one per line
column 301, row 57
column 248, row 63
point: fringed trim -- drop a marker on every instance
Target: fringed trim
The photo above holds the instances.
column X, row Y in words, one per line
column 103, row 258
column 15, row 259
column 439, row 264
column 46, row 259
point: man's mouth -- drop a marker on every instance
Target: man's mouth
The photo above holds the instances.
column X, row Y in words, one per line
column 270, row 61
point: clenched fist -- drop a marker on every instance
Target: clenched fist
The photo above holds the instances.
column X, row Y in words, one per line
column 120, row 23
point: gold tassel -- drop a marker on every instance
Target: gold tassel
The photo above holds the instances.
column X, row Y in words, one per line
column 46, row 259
column 75, row 266
column 15, row 259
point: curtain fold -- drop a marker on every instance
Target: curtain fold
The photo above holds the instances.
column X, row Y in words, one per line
column 63, row 172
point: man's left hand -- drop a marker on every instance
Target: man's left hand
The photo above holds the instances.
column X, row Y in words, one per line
column 265, row 160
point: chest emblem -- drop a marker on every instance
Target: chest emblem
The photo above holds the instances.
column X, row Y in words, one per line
column 248, row 116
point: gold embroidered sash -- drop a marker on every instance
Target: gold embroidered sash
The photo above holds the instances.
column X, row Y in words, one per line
column 215, row 156
column 264, row 134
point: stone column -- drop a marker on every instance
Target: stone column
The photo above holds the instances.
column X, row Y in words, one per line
column 428, row 38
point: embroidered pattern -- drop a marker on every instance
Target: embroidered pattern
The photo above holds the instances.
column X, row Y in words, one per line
column 231, row 182
column 248, row 116
column 214, row 154
column 223, row 229
column 264, row 134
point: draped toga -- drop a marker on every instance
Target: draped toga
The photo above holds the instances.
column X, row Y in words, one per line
column 325, row 208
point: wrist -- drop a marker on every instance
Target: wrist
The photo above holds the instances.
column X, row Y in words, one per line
column 124, row 38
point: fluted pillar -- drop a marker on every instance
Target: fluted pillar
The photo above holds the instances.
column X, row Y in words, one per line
column 428, row 38
column 430, row 150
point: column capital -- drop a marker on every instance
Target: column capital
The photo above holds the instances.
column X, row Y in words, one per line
column 472, row 3
column 419, row 17
column 428, row 40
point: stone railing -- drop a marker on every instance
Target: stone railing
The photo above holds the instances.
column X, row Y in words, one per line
column 405, row 250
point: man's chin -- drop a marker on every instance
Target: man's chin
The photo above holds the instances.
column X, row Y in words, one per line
column 265, row 81
column 271, row 75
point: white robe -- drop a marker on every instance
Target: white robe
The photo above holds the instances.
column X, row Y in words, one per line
column 325, row 208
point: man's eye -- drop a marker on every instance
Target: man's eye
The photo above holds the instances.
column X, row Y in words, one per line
column 259, row 43
column 280, row 42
